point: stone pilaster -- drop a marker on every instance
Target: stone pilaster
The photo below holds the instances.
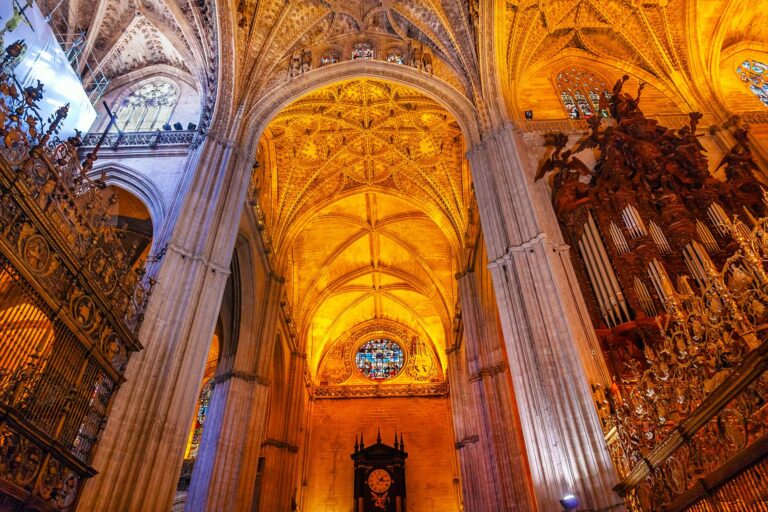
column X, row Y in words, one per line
column 225, row 469
column 141, row 450
column 281, row 450
column 544, row 336
column 478, row 479
column 490, row 402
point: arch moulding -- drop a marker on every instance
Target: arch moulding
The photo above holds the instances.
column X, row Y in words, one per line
column 134, row 182
column 263, row 111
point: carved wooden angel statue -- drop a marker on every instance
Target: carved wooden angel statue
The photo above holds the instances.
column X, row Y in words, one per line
column 563, row 161
column 594, row 139
column 622, row 104
column 573, row 176
column 738, row 160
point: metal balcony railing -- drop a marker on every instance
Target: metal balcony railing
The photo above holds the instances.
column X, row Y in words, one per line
column 145, row 139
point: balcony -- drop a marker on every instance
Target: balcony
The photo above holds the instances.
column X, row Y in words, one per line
column 140, row 140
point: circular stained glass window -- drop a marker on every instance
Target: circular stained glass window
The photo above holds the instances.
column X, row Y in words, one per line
column 379, row 359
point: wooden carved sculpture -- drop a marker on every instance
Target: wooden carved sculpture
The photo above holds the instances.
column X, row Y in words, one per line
column 648, row 225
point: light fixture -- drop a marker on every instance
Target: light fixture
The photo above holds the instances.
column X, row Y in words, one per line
column 569, row 502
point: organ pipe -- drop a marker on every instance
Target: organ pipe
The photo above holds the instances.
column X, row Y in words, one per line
column 633, row 221
column 602, row 301
column 719, row 218
column 601, row 272
column 614, row 282
column 658, row 238
column 618, row 239
column 706, row 237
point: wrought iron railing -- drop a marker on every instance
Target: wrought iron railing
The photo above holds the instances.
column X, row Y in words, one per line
column 71, row 303
column 144, row 139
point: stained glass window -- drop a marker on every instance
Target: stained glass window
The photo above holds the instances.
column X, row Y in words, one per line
column 362, row 51
column 329, row 57
column 379, row 359
column 204, row 401
column 396, row 55
column 580, row 92
column 147, row 108
column 755, row 75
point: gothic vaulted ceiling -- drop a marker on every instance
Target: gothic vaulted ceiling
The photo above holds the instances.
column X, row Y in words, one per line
column 128, row 37
column 272, row 31
column 673, row 45
column 365, row 192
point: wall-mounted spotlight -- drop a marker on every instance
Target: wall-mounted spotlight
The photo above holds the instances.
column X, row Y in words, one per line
column 177, row 126
column 191, row 126
column 167, row 127
column 569, row 502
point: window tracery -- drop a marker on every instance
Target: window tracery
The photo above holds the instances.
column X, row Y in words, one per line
column 329, row 57
column 580, row 92
column 362, row 51
column 147, row 108
column 380, row 359
column 755, row 74
column 396, row 56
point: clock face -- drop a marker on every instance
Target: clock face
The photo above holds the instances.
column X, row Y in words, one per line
column 379, row 480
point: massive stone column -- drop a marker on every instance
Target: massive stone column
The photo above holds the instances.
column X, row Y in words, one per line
column 493, row 458
column 281, row 450
column 225, row 470
column 545, row 337
column 140, row 454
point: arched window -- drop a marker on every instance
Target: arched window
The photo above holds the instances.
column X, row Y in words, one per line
column 147, row 108
column 580, row 92
column 362, row 51
column 203, row 402
column 329, row 57
column 755, row 74
column 395, row 55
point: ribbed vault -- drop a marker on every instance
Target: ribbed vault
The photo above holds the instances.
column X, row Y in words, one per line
column 365, row 190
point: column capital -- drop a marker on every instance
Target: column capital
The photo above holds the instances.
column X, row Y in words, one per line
column 464, row 273
column 281, row 445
